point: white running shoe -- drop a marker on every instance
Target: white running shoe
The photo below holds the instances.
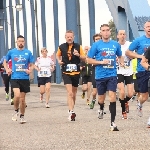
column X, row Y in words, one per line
column 15, row 116
column 47, row 105
column 100, row 114
column 22, row 120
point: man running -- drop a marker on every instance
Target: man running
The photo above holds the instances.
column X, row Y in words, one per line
column 105, row 52
column 125, row 75
column 22, row 59
column 140, row 45
column 86, row 72
column 68, row 56
column 44, row 65
column 146, row 64
column 96, row 38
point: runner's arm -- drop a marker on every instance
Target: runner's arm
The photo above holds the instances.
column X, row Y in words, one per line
column 144, row 63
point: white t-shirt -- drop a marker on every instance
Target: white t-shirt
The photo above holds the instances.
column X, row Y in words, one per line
column 127, row 70
column 44, row 64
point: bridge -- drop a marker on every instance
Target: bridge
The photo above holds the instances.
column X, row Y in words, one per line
column 129, row 15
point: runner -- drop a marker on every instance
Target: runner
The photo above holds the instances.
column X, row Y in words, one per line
column 68, row 56
column 86, row 71
column 105, row 52
column 6, row 80
column 140, row 45
column 136, row 89
column 125, row 75
column 21, row 59
column 96, row 38
column 146, row 64
column 44, row 65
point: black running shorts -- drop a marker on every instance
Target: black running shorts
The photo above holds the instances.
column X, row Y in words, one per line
column 22, row 84
column 71, row 79
column 125, row 79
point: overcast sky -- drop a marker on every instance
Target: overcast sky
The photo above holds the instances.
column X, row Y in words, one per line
column 100, row 18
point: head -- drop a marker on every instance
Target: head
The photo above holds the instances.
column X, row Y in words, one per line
column 20, row 42
column 105, row 31
column 121, row 35
column 147, row 28
column 69, row 36
column 44, row 52
column 86, row 49
column 96, row 37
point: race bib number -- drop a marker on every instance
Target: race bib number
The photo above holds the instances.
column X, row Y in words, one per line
column 127, row 64
column 43, row 73
column 20, row 67
column 110, row 64
column 71, row 67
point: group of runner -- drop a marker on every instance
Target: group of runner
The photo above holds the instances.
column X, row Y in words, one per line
column 107, row 65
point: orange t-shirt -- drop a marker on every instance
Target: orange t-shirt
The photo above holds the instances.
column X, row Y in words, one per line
column 69, row 51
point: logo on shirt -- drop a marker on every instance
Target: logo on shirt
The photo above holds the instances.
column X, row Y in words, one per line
column 19, row 59
column 26, row 53
column 107, row 53
column 114, row 46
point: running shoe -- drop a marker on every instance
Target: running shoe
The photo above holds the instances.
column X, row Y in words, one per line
column 148, row 123
column 15, row 116
column 72, row 116
column 92, row 104
column 100, row 114
column 139, row 111
column 124, row 115
column 7, row 97
column 83, row 95
column 113, row 127
column 47, row 105
column 12, row 102
column 22, row 120
column 88, row 102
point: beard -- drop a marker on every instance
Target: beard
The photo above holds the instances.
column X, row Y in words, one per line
column 20, row 46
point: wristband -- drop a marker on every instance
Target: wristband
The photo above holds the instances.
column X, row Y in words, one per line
column 148, row 68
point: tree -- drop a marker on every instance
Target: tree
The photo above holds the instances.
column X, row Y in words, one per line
column 113, row 30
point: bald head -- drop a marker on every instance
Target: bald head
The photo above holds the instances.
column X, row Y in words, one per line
column 121, row 32
column 121, row 35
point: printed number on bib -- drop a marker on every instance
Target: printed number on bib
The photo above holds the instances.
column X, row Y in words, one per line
column 43, row 73
column 110, row 64
column 20, row 67
column 71, row 67
column 127, row 64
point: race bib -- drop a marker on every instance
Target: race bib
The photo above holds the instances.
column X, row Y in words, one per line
column 71, row 67
column 110, row 64
column 20, row 67
column 43, row 73
column 127, row 64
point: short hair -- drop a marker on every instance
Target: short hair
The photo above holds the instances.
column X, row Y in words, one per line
column 104, row 25
column 70, row 31
column 44, row 48
column 96, row 35
column 20, row 36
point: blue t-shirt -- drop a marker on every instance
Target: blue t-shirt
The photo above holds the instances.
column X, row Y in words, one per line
column 20, row 62
column 140, row 45
column 105, row 50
